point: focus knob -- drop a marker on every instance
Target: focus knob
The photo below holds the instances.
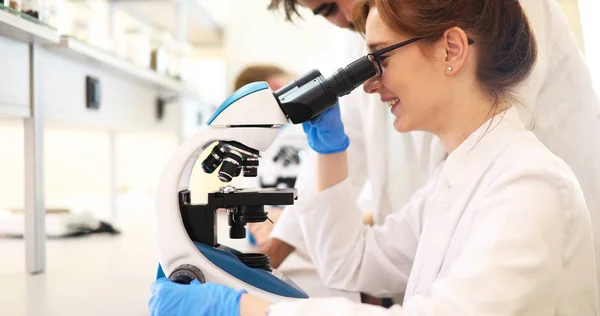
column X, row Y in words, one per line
column 186, row 273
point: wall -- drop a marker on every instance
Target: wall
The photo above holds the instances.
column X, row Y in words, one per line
column 590, row 10
column 78, row 165
column 583, row 19
column 77, row 140
column 571, row 10
column 260, row 36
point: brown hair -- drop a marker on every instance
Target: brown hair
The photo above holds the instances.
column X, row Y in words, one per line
column 290, row 8
column 506, row 45
column 256, row 73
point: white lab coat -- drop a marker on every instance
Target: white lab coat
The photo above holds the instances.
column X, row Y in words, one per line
column 501, row 228
column 559, row 93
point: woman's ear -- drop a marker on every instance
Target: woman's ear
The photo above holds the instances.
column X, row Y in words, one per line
column 456, row 44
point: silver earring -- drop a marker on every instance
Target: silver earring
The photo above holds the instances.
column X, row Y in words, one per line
column 449, row 68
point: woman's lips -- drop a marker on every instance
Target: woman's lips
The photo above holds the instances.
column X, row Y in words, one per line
column 392, row 103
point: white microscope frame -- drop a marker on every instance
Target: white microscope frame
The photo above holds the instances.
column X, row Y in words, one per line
column 262, row 116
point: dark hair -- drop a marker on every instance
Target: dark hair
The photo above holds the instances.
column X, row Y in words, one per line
column 290, row 8
column 256, row 73
column 506, row 45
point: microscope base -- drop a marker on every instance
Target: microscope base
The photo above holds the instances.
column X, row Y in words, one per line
column 225, row 258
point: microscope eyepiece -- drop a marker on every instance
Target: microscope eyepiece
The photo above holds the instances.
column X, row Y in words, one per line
column 312, row 94
column 344, row 80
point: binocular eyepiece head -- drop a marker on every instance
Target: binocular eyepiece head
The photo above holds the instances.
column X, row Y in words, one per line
column 312, row 94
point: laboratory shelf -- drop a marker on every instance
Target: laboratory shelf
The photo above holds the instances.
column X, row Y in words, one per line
column 78, row 50
column 186, row 19
column 22, row 27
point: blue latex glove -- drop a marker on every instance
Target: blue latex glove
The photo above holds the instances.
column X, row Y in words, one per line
column 325, row 132
column 195, row 299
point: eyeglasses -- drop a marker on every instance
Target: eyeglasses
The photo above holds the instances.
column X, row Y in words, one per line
column 377, row 57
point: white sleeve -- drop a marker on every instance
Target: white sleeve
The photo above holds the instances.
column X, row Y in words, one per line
column 287, row 229
column 351, row 256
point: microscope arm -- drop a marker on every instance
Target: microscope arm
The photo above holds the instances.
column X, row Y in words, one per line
column 175, row 248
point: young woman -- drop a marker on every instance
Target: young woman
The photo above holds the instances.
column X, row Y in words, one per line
column 501, row 228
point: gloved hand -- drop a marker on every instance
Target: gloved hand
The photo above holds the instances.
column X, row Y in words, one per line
column 326, row 132
column 195, row 299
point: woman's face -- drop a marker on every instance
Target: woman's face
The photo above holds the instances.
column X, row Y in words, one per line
column 414, row 82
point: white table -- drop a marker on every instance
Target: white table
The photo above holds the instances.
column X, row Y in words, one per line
column 20, row 39
column 43, row 80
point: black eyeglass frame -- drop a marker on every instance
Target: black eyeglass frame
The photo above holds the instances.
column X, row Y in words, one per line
column 377, row 57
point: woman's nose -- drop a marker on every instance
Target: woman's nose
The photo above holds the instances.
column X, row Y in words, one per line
column 372, row 85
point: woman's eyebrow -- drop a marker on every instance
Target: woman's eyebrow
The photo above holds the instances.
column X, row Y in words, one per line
column 374, row 46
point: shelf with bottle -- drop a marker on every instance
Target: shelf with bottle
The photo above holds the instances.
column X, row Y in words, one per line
column 115, row 29
column 25, row 27
column 84, row 52
column 96, row 34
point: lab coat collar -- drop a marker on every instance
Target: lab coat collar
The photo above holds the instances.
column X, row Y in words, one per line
column 481, row 147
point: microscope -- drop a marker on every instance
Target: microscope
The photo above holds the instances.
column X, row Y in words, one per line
column 242, row 126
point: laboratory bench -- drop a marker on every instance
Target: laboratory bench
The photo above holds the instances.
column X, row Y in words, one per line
column 51, row 79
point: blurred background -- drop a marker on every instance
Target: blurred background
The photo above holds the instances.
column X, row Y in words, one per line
column 119, row 84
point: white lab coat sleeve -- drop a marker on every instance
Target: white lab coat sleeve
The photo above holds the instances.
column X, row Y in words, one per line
column 287, row 229
column 508, row 265
column 351, row 256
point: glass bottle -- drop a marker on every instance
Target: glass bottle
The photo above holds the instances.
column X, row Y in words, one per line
column 15, row 4
column 31, row 8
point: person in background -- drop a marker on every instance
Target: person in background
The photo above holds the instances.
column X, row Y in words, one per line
column 279, row 164
column 275, row 76
column 500, row 228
